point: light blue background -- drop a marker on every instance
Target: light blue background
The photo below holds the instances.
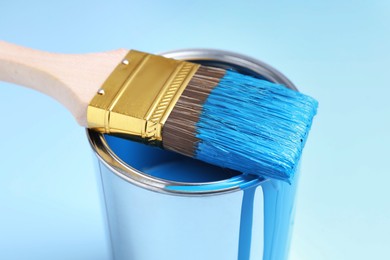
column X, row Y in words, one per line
column 336, row 51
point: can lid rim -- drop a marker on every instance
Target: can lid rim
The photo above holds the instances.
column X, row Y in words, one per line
column 132, row 175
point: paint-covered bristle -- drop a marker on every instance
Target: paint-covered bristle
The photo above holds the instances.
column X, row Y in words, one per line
column 239, row 122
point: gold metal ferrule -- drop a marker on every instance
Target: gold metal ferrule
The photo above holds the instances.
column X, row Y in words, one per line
column 138, row 96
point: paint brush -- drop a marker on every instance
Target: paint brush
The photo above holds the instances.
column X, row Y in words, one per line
column 214, row 115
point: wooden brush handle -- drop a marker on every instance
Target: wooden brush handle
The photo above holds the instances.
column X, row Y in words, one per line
column 71, row 79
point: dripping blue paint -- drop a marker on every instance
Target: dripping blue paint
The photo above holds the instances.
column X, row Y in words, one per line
column 254, row 126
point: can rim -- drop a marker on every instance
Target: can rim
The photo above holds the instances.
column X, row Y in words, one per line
column 134, row 176
column 236, row 59
column 137, row 177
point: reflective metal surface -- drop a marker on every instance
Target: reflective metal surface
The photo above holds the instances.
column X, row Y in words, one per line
column 137, row 98
column 231, row 60
column 132, row 175
column 217, row 58
column 214, row 213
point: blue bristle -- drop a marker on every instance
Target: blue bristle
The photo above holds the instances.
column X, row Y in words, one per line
column 254, row 126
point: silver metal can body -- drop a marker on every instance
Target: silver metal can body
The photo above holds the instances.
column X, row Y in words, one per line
column 159, row 205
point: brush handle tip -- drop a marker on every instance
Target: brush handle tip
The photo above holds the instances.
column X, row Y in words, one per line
column 71, row 79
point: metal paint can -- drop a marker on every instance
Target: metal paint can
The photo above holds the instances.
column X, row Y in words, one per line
column 159, row 205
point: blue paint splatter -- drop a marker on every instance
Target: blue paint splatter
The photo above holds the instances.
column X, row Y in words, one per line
column 254, row 126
